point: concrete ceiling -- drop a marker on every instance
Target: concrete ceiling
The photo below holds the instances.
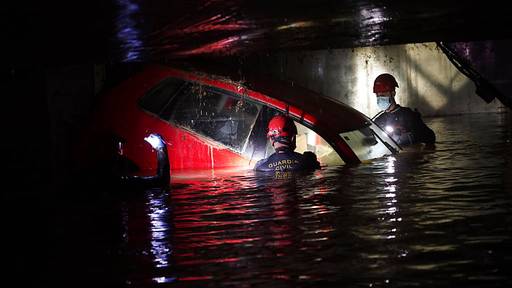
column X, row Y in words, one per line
column 135, row 30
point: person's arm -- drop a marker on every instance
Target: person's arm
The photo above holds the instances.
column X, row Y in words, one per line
column 162, row 177
column 311, row 160
column 422, row 133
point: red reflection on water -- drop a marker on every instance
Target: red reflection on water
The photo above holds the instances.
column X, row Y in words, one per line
column 213, row 241
column 217, row 219
column 209, row 261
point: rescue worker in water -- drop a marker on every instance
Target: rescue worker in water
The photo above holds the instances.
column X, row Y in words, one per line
column 282, row 132
column 404, row 125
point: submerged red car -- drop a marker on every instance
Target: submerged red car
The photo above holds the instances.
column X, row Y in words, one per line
column 211, row 121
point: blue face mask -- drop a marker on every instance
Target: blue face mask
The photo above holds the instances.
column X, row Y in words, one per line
column 383, row 102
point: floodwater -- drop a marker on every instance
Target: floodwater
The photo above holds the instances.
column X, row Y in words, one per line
column 432, row 218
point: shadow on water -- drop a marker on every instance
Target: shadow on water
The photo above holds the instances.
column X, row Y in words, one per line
column 431, row 218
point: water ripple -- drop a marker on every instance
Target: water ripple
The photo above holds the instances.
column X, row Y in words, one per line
column 439, row 218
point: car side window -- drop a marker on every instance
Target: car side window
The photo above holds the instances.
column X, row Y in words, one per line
column 216, row 114
column 159, row 100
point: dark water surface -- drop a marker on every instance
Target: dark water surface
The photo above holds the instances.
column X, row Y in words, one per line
column 439, row 218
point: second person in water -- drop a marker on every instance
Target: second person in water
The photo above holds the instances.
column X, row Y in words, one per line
column 404, row 125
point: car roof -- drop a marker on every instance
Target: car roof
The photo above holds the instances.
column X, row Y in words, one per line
column 326, row 112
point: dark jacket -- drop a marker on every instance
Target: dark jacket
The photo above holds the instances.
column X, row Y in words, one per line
column 288, row 160
column 408, row 127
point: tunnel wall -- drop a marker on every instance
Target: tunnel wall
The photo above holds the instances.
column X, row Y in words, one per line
column 428, row 80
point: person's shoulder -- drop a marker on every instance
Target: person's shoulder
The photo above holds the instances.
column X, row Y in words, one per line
column 405, row 108
column 379, row 115
column 260, row 163
column 269, row 158
column 302, row 156
column 295, row 153
column 380, row 118
column 409, row 112
column 264, row 161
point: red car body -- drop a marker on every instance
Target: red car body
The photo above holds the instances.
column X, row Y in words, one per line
column 177, row 104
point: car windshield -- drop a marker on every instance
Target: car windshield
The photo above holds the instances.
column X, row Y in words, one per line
column 370, row 142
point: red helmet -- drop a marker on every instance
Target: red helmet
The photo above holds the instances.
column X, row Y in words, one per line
column 281, row 126
column 384, row 83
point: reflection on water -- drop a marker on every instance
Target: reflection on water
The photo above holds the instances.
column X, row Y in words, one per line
column 433, row 218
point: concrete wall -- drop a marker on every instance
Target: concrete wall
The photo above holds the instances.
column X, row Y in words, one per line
column 428, row 81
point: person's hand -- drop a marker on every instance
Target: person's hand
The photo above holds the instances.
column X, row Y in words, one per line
column 395, row 130
column 155, row 141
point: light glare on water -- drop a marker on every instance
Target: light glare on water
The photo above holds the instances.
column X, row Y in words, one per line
column 433, row 218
